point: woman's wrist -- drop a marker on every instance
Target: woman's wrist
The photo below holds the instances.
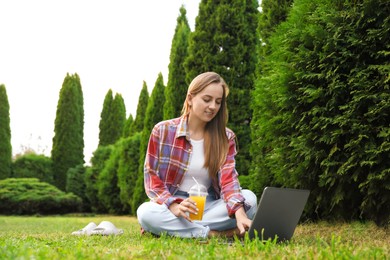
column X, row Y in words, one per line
column 173, row 206
column 240, row 213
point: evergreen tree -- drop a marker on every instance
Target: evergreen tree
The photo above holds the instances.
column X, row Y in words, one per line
column 128, row 170
column 98, row 160
column 176, row 89
column 112, row 119
column 327, row 78
column 127, row 126
column 33, row 165
column 5, row 136
column 224, row 41
column 108, row 189
column 104, row 124
column 154, row 114
column 68, row 140
column 75, row 183
column 138, row 124
column 273, row 12
column 107, row 182
column 118, row 117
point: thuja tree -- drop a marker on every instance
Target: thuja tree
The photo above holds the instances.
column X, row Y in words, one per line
column 266, row 104
column 91, row 178
column 273, row 12
column 118, row 117
column 176, row 89
column 224, row 41
column 107, row 182
column 154, row 114
column 33, row 166
column 117, row 179
column 327, row 78
column 68, row 140
column 5, row 135
column 138, row 124
column 75, row 183
column 104, row 124
column 127, row 126
column 112, row 119
column 128, row 170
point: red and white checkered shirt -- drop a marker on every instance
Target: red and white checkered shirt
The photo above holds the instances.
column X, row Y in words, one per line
column 167, row 159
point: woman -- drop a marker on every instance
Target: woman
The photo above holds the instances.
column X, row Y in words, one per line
column 196, row 145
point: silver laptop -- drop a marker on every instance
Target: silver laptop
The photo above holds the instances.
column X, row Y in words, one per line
column 278, row 213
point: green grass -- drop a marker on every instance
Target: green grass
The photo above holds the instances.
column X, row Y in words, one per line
column 50, row 238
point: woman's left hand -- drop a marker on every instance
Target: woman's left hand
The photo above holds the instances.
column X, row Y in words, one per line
column 243, row 222
column 181, row 210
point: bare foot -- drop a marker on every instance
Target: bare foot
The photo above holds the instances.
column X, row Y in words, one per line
column 225, row 233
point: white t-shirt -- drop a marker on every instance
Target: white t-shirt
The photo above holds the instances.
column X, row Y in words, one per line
column 195, row 168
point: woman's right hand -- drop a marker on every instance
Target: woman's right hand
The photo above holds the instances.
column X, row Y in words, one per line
column 181, row 210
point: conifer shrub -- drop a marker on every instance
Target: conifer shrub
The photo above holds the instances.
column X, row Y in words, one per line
column 107, row 183
column 128, row 170
column 322, row 109
column 75, row 183
column 68, row 141
column 25, row 196
column 100, row 156
column 33, row 166
column 5, row 135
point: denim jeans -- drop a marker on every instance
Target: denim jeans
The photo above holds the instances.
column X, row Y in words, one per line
column 158, row 219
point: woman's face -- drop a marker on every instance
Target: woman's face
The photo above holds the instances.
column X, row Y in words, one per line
column 206, row 104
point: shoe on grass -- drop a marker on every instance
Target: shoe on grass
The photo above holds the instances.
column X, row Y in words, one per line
column 86, row 230
column 106, row 228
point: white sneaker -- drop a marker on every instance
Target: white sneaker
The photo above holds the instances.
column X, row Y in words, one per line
column 86, row 230
column 106, row 228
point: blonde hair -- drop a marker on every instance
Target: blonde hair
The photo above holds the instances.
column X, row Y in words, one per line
column 216, row 142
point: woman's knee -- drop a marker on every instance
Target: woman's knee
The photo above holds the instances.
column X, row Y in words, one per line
column 145, row 212
column 250, row 197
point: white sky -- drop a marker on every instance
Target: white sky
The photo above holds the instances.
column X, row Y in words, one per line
column 114, row 44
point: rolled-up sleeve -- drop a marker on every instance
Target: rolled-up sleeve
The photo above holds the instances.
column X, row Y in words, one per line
column 155, row 188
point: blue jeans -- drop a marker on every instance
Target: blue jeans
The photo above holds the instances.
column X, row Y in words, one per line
column 158, row 219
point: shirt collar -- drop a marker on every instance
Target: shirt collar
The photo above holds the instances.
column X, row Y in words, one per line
column 182, row 129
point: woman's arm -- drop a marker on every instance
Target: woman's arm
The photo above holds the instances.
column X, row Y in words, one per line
column 243, row 222
column 155, row 188
column 229, row 183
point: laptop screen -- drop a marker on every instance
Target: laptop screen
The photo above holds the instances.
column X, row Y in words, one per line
column 278, row 213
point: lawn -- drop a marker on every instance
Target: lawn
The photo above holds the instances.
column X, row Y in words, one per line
column 50, row 237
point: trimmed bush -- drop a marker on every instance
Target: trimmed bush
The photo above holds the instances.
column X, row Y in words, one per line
column 107, row 183
column 127, row 170
column 33, row 166
column 75, row 183
column 31, row 196
column 100, row 156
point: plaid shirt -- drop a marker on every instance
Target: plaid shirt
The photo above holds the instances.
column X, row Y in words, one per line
column 167, row 160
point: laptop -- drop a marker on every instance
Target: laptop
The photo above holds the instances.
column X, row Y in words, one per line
column 278, row 213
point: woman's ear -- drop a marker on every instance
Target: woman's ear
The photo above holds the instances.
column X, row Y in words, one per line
column 189, row 99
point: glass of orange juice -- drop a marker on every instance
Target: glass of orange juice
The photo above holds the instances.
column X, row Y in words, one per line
column 198, row 193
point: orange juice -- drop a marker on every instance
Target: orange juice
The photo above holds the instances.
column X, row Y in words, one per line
column 200, row 202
